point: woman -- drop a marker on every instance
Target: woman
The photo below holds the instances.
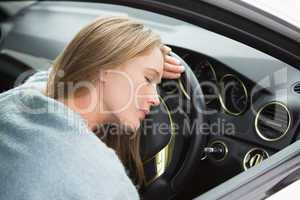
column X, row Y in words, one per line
column 106, row 75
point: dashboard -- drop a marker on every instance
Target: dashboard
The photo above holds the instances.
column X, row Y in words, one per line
column 263, row 112
column 249, row 120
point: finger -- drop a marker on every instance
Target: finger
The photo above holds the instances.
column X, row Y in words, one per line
column 173, row 68
column 166, row 49
column 172, row 60
column 170, row 75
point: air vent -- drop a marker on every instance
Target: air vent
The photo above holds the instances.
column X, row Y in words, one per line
column 297, row 88
column 272, row 121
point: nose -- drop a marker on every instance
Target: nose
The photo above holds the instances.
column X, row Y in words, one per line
column 154, row 100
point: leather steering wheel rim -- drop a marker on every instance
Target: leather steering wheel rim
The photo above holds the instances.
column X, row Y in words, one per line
column 197, row 138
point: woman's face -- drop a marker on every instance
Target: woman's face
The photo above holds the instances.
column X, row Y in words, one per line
column 130, row 89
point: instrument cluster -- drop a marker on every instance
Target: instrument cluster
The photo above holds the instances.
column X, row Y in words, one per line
column 226, row 92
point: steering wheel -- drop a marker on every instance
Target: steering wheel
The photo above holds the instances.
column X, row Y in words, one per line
column 165, row 175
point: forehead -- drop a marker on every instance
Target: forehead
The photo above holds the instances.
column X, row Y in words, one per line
column 151, row 59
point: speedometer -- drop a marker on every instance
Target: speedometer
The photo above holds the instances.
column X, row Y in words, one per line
column 204, row 71
column 206, row 75
column 233, row 95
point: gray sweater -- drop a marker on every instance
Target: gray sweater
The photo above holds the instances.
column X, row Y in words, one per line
column 47, row 151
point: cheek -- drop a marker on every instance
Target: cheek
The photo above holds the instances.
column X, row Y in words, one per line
column 118, row 93
column 142, row 94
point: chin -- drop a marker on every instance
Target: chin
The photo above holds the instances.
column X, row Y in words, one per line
column 130, row 118
column 135, row 125
column 132, row 124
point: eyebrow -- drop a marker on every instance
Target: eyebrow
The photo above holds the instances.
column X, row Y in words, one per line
column 156, row 72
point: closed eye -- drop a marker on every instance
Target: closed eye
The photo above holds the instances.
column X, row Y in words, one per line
column 154, row 74
column 148, row 79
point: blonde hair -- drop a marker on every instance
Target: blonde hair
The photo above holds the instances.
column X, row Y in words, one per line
column 106, row 42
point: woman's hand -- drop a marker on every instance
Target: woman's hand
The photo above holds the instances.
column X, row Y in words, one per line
column 172, row 66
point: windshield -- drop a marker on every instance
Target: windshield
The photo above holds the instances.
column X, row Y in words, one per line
column 287, row 10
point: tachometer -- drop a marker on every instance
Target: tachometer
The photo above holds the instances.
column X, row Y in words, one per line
column 233, row 95
column 206, row 75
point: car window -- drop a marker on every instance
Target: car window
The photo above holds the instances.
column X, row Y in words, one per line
column 289, row 192
column 287, row 10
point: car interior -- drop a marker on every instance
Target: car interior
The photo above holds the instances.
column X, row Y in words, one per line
column 233, row 108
